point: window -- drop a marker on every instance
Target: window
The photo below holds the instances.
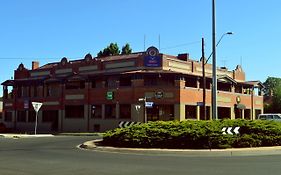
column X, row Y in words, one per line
column 238, row 89
column 110, row 111
column 19, row 91
column 125, row 81
column 25, row 91
column 191, row 82
column 159, row 80
column 277, row 117
column 8, row 92
column 96, row 111
column 111, row 82
column 53, row 90
column 125, row 111
column 31, row 116
column 190, row 112
column 21, row 117
column 35, row 93
column 49, row 116
column 94, row 85
column 224, row 87
column 8, row 116
column 74, row 111
column 75, row 85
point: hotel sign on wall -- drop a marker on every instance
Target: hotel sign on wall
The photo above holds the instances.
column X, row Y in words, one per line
column 152, row 58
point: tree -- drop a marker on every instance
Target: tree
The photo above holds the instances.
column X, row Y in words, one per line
column 271, row 84
column 272, row 90
column 112, row 49
column 126, row 49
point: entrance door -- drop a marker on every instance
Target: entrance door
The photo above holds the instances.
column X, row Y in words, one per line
column 51, row 116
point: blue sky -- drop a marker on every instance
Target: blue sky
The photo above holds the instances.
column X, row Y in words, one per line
column 47, row 30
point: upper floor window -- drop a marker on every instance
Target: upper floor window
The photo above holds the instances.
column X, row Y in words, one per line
column 8, row 92
column 238, row 89
column 158, row 80
column 125, row 81
column 19, row 91
column 111, row 82
column 75, row 85
column 53, row 90
column 224, row 87
column 191, row 82
column 35, row 91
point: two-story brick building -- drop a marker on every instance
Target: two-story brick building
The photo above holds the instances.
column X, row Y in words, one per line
column 94, row 94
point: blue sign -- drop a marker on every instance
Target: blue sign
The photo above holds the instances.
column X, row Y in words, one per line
column 149, row 104
column 152, row 61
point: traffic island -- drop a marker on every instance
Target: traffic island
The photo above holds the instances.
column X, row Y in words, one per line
column 96, row 145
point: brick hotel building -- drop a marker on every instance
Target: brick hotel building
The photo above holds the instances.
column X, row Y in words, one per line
column 95, row 94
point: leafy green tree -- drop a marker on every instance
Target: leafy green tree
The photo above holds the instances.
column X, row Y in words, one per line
column 112, row 49
column 270, row 84
column 272, row 92
column 126, row 49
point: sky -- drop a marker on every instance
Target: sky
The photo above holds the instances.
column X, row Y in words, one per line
column 48, row 30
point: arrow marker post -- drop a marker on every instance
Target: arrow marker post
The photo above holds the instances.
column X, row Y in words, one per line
column 230, row 130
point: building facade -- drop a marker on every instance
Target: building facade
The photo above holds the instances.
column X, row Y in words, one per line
column 95, row 94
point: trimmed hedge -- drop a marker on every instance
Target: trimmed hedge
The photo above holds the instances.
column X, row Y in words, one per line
column 195, row 134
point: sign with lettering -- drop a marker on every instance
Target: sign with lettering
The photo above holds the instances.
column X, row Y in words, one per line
column 109, row 95
column 26, row 104
column 149, row 104
column 152, row 61
column 152, row 58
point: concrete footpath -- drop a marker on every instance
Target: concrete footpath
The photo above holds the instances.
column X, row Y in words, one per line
column 256, row 151
column 17, row 136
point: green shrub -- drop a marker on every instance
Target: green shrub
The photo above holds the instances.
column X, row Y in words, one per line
column 195, row 134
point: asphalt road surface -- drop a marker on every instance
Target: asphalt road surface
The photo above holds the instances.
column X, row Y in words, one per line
column 59, row 155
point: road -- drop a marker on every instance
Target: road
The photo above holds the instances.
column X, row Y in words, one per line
column 59, row 155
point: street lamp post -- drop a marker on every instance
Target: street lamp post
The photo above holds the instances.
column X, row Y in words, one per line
column 214, row 78
column 214, row 92
column 214, row 82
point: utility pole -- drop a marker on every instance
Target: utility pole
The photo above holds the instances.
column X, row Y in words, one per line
column 204, row 80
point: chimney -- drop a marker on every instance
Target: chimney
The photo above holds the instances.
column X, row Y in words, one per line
column 35, row 65
column 183, row 57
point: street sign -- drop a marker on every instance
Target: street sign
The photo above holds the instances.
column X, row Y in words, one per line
column 36, row 106
column 26, row 104
column 149, row 104
column 109, row 95
column 230, row 130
